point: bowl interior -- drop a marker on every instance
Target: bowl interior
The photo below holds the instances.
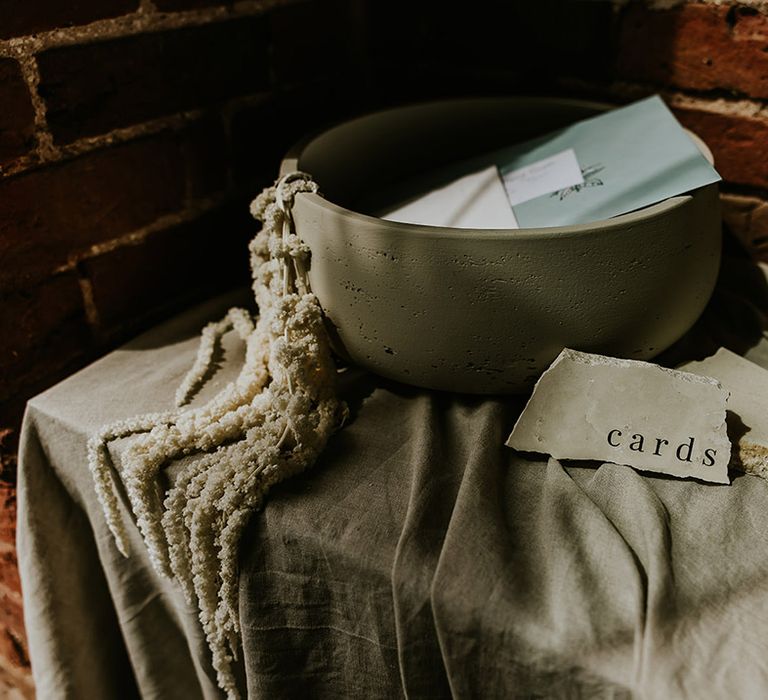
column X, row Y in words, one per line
column 359, row 164
column 483, row 311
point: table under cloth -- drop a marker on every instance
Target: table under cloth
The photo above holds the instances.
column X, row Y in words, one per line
column 418, row 558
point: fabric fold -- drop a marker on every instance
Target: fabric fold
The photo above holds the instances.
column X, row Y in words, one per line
column 419, row 558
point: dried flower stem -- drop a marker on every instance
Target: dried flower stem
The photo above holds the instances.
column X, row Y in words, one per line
column 270, row 423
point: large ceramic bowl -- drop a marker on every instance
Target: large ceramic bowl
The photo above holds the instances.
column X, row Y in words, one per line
column 479, row 310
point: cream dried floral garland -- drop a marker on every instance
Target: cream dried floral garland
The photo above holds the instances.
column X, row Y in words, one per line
column 270, row 423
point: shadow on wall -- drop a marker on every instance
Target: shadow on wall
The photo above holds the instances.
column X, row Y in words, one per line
column 735, row 317
column 433, row 49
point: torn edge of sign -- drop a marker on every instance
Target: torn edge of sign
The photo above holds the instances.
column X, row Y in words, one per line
column 747, row 416
column 651, row 418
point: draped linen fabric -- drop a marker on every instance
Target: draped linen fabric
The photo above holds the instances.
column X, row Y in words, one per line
column 418, row 558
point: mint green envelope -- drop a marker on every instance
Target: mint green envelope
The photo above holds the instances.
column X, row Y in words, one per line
column 630, row 157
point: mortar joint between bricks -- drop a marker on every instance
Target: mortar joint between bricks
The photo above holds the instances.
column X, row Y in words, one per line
column 45, row 148
column 89, row 302
column 146, row 19
column 139, row 236
column 88, row 144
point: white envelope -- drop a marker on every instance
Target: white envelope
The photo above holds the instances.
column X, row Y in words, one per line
column 477, row 200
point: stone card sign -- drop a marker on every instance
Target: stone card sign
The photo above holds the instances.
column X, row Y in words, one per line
column 635, row 413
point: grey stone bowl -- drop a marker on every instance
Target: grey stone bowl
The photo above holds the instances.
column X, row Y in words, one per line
column 480, row 310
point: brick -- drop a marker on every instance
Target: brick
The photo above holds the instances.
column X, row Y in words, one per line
column 254, row 156
column 263, row 130
column 440, row 39
column 739, row 143
column 14, row 655
column 9, row 439
column 696, row 46
column 204, row 145
column 16, row 116
column 48, row 214
column 564, row 39
column 11, row 615
column 136, row 284
column 44, row 331
column 21, row 17
column 310, row 41
column 94, row 88
column 13, row 648
column 16, row 684
column 7, row 518
column 9, row 569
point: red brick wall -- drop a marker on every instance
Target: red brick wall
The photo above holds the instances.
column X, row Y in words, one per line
column 132, row 135
column 711, row 61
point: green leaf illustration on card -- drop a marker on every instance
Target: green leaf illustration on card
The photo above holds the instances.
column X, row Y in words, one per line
column 629, row 157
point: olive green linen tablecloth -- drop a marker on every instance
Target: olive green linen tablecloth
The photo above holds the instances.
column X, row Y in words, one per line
column 419, row 558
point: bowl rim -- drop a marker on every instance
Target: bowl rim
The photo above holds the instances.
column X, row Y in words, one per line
column 646, row 214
